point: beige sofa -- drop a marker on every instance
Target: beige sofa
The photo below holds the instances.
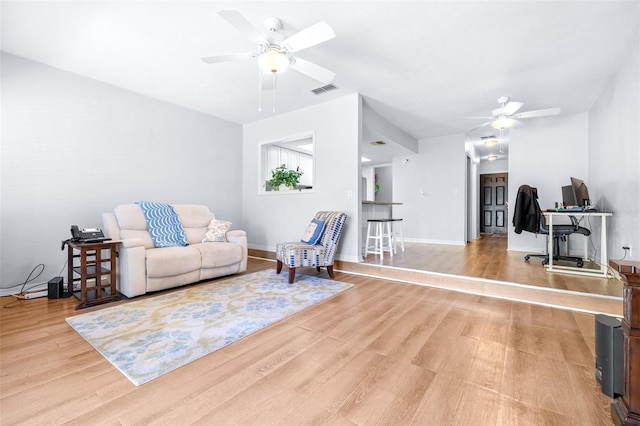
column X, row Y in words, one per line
column 143, row 268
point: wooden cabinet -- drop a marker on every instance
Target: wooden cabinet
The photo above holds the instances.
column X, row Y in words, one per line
column 626, row 409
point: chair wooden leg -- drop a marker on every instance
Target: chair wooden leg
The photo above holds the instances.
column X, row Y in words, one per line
column 330, row 271
column 292, row 275
column 278, row 266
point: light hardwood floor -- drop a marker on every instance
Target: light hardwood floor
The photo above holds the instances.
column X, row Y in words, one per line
column 382, row 352
column 488, row 258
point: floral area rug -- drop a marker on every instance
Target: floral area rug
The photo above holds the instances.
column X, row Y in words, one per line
column 147, row 338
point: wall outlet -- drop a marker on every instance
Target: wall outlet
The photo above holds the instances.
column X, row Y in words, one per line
column 627, row 249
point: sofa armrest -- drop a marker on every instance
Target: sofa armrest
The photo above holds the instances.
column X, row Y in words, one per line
column 132, row 275
column 131, row 270
column 132, row 242
column 239, row 237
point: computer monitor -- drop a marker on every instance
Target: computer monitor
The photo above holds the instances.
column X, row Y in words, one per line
column 569, row 196
column 581, row 191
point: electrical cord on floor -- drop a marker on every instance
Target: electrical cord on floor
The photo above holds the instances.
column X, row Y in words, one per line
column 63, row 268
column 21, row 294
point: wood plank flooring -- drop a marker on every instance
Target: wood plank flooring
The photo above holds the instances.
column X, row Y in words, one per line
column 488, row 258
column 382, row 352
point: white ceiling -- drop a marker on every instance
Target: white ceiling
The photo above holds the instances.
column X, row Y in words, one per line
column 422, row 65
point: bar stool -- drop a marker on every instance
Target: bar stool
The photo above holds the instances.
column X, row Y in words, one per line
column 397, row 228
column 381, row 230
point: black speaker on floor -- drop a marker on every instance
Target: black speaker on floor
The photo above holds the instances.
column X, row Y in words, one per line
column 609, row 355
column 56, row 288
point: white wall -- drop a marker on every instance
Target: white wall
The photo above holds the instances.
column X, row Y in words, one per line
column 497, row 166
column 432, row 188
column 278, row 217
column 473, row 201
column 473, row 192
column 376, row 125
column 545, row 153
column 614, row 157
column 369, row 174
column 73, row 148
column 385, row 182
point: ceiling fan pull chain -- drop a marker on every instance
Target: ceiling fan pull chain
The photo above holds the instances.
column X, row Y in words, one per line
column 274, row 92
column 259, row 88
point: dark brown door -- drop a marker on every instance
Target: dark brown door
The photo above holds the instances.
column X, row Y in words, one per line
column 493, row 203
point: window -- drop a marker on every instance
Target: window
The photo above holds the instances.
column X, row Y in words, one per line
column 296, row 153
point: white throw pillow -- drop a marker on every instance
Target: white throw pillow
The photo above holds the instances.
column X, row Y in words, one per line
column 216, row 231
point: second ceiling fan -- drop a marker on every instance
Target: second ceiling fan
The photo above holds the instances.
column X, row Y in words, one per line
column 507, row 114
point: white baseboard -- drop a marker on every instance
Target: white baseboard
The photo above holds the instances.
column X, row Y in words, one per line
column 261, row 247
column 29, row 286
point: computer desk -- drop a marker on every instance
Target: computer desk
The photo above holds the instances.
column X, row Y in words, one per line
column 603, row 271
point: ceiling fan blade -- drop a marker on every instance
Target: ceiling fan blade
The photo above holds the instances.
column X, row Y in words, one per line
column 511, row 108
column 228, row 58
column 310, row 36
column 537, row 113
column 478, row 118
column 314, row 71
column 516, row 124
column 243, row 26
column 479, row 127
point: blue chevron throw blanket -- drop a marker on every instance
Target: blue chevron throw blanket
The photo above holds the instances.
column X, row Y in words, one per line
column 164, row 224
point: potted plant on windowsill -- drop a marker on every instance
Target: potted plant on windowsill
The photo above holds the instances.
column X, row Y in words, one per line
column 285, row 178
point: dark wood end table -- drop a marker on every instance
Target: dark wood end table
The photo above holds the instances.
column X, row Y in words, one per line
column 95, row 273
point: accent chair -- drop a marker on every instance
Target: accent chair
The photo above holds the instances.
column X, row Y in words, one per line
column 314, row 253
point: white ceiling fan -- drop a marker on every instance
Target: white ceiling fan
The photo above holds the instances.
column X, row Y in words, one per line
column 274, row 54
column 507, row 114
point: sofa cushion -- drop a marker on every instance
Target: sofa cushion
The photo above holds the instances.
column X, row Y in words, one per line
column 132, row 223
column 169, row 261
column 130, row 216
column 215, row 255
column 163, row 224
column 195, row 219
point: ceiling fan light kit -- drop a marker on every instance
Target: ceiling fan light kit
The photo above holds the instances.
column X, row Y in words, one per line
column 274, row 57
column 502, row 122
column 273, row 60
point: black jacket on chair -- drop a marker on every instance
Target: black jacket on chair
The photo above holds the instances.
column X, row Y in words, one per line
column 526, row 215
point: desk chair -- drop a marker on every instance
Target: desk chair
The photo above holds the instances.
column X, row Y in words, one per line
column 529, row 217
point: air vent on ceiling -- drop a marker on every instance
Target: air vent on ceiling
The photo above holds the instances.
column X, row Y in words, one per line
column 324, row 89
column 378, row 143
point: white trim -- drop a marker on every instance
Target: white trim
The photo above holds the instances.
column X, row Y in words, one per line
column 506, row 283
